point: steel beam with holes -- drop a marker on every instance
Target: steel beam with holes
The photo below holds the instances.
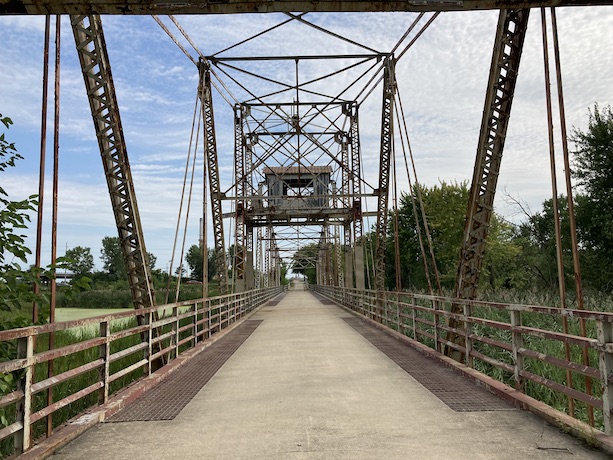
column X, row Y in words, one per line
column 240, row 186
column 357, row 258
column 89, row 39
column 387, row 140
column 210, row 147
column 512, row 26
column 146, row 7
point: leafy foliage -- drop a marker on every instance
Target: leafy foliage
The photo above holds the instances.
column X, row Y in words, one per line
column 593, row 168
column 194, row 260
column 112, row 258
column 81, row 260
column 445, row 207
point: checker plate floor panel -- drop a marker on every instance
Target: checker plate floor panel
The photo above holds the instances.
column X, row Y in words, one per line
column 460, row 394
column 169, row 397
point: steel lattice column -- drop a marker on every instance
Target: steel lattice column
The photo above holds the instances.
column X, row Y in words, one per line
column 387, row 146
column 358, row 251
column 267, row 255
column 512, row 26
column 248, row 191
column 259, row 260
column 206, row 97
column 239, row 175
column 91, row 48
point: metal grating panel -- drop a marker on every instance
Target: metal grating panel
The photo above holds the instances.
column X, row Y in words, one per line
column 455, row 391
column 323, row 300
column 167, row 399
column 276, row 300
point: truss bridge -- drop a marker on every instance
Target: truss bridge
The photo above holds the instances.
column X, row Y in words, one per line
column 303, row 158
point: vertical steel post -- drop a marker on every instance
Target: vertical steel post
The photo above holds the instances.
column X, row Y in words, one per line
column 239, row 186
column 104, row 354
column 605, row 337
column 356, row 183
column 25, row 350
column 41, row 170
column 210, row 148
column 518, row 344
column 387, row 146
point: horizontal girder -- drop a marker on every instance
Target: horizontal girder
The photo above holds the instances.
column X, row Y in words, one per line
column 146, row 7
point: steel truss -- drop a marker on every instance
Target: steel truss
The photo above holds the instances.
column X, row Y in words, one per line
column 387, row 150
column 91, row 48
column 511, row 31
column 357, row 258
column 239, row 220
column 210, row 147
column 307, row 143
column 508, row 46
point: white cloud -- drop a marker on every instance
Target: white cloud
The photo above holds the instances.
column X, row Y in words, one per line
column 441, row 79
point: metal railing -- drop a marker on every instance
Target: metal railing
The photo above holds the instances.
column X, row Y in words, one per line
column 520, row 345
column 98, row 356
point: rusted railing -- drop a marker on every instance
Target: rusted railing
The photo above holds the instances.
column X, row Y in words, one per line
column 521, row 345
column 98, row 356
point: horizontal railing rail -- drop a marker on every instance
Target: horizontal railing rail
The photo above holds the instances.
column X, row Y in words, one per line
column 95, row 357
column 520, row 345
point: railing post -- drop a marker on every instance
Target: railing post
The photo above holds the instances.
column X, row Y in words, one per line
column 207, row 312
column 175, row 329
column 398, row 313
column 468, row 330
column 25, row 349
column 149, row 341
column 605, row 337
column 104, row 353
column 195, row 328
column 386, row 309
column 413, row 319
column 436, row 331
column 518, row 343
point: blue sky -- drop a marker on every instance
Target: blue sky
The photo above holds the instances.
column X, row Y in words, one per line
column 442, row 82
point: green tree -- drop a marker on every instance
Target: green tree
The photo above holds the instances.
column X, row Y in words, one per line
column 593, row 168
column 194, row 260
column 80, row 260
column 112, row 258
column 445, row 208
column 13, row 214
column 16, row 293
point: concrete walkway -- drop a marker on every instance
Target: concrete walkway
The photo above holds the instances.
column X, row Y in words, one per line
column 305, row 385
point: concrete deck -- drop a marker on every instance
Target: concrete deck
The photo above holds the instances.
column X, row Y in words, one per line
column 306, row 385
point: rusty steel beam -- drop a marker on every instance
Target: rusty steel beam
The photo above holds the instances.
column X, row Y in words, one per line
column 206, row 98
column 387, row 141
column 91, row 48
column 239, row 219
column 142, row 7
column 508, row 45
column 357, row 257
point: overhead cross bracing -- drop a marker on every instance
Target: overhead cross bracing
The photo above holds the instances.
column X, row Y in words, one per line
column 297, row 155
column 299, row 174
column 262, row 6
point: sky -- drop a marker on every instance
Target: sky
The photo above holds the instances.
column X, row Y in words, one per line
column 441, row 79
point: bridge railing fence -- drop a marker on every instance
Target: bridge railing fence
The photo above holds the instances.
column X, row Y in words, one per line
column 95, row 357
column 520, row 345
